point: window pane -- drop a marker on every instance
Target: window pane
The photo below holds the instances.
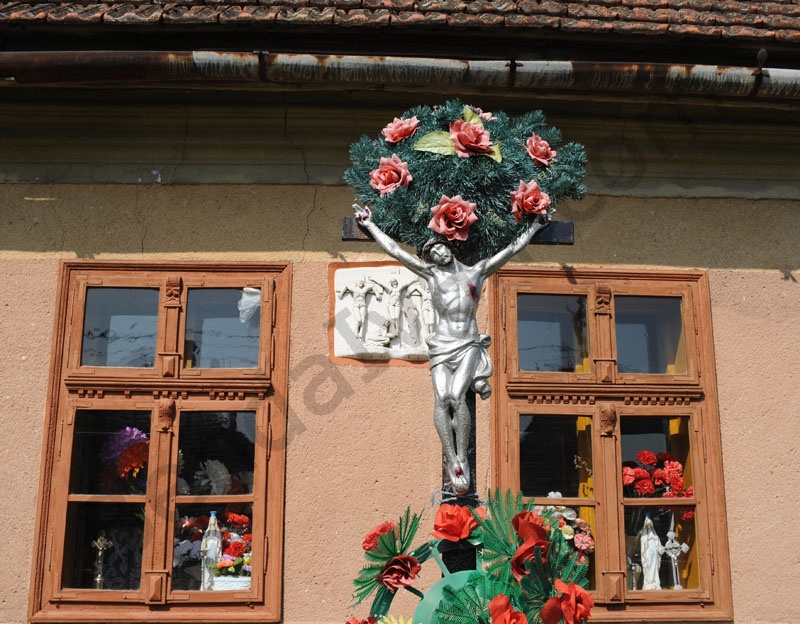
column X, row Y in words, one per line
column 650, row 335
column 222, row 328
column 552, row 333
column 656, row 462
column 110, row 451
column 117, row 565
column 119, row 327
column 227, row 568
column 660, row 548
column 216, row 453
column 555, row 455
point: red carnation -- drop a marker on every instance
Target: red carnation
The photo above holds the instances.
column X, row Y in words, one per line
column 236, row 549
column 371, row 540
column 640, row 473
column 659, row 476
column 628, row 476
column 644, row 487
column 648, row 458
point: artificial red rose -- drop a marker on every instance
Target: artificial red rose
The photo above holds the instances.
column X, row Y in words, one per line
column 574, row 605
column 391, row 174
column 502, row 612
column 371, row 540
column 452, row 217
column 687, row 515
column 524, row 553
column 627, row 476
column 469, row 138
column 539, row 150
column 485, row 116
column 399, row 572
column 400, row 129
column 236, row 549
column 247, row 537
column 644, row 487
column 133, row 459
column 659, row 476
column 584, row 543
column 530, row 525
column 528, row 199
column 454, row 522
column 648, row 458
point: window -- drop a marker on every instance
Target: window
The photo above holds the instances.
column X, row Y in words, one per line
column 606, row 403
column 167, row 407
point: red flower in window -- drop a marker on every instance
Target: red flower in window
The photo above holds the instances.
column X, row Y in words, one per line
column 237, row 520
column 236, row 549
column 645, row 487
column 647, row 458
column 133, row 459
column 627, row 475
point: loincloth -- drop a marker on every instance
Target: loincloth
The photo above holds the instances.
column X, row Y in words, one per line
column 451, row 352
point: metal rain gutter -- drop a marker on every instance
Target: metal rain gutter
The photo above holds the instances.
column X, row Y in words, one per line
column 279, row 71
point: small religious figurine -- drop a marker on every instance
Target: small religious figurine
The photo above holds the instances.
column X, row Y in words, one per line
column 458, row 356
column 674, row 548
column 651, row 551
column 101, row 544
column 210, row 550
column 360, row 289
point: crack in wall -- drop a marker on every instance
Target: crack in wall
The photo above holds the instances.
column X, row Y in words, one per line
column 138, row 216
column 308, row 219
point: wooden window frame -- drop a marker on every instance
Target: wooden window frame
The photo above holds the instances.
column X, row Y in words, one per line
column 167, row 391
column 608, row 397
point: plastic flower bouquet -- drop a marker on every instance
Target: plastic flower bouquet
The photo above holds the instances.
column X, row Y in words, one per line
column 527, row 571
column 472, row 177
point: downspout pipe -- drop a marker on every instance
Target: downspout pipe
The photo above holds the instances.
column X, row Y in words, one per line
column 281, row 71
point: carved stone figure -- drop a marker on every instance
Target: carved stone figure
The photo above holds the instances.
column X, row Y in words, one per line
column 458, row 356
column 359, row 290
column 394, row 292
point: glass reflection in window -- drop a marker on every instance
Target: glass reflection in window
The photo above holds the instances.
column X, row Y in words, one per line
column 650, row 337
column 555, row 455
column 552, row 333
column 222, row 328
column 120, row 327
column 216, row 453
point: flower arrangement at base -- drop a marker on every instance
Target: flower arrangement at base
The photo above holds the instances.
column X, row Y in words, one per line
column 526, row 572
column 475, row 178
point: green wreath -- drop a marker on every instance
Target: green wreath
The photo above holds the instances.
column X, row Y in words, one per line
column 477, row 179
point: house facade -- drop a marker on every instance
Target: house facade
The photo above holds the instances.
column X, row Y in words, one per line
column 176, row 274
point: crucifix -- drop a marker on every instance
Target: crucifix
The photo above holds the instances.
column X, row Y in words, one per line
column 454, row 416
column 673, row 549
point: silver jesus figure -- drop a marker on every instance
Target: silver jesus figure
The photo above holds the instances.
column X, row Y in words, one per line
column 458, row 356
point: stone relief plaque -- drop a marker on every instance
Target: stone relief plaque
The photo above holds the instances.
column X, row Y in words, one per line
column 381, row 313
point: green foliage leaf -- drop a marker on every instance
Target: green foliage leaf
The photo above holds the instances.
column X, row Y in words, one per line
column 470, row 116
column 495, row 154
column 436, row 142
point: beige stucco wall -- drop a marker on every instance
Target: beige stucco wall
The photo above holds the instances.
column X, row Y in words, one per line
column 361, row 445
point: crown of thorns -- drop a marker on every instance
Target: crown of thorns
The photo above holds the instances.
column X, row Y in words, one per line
column 425, row 252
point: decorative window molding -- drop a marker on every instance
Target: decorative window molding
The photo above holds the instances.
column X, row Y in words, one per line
column 168, row 392
column 593, row 367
